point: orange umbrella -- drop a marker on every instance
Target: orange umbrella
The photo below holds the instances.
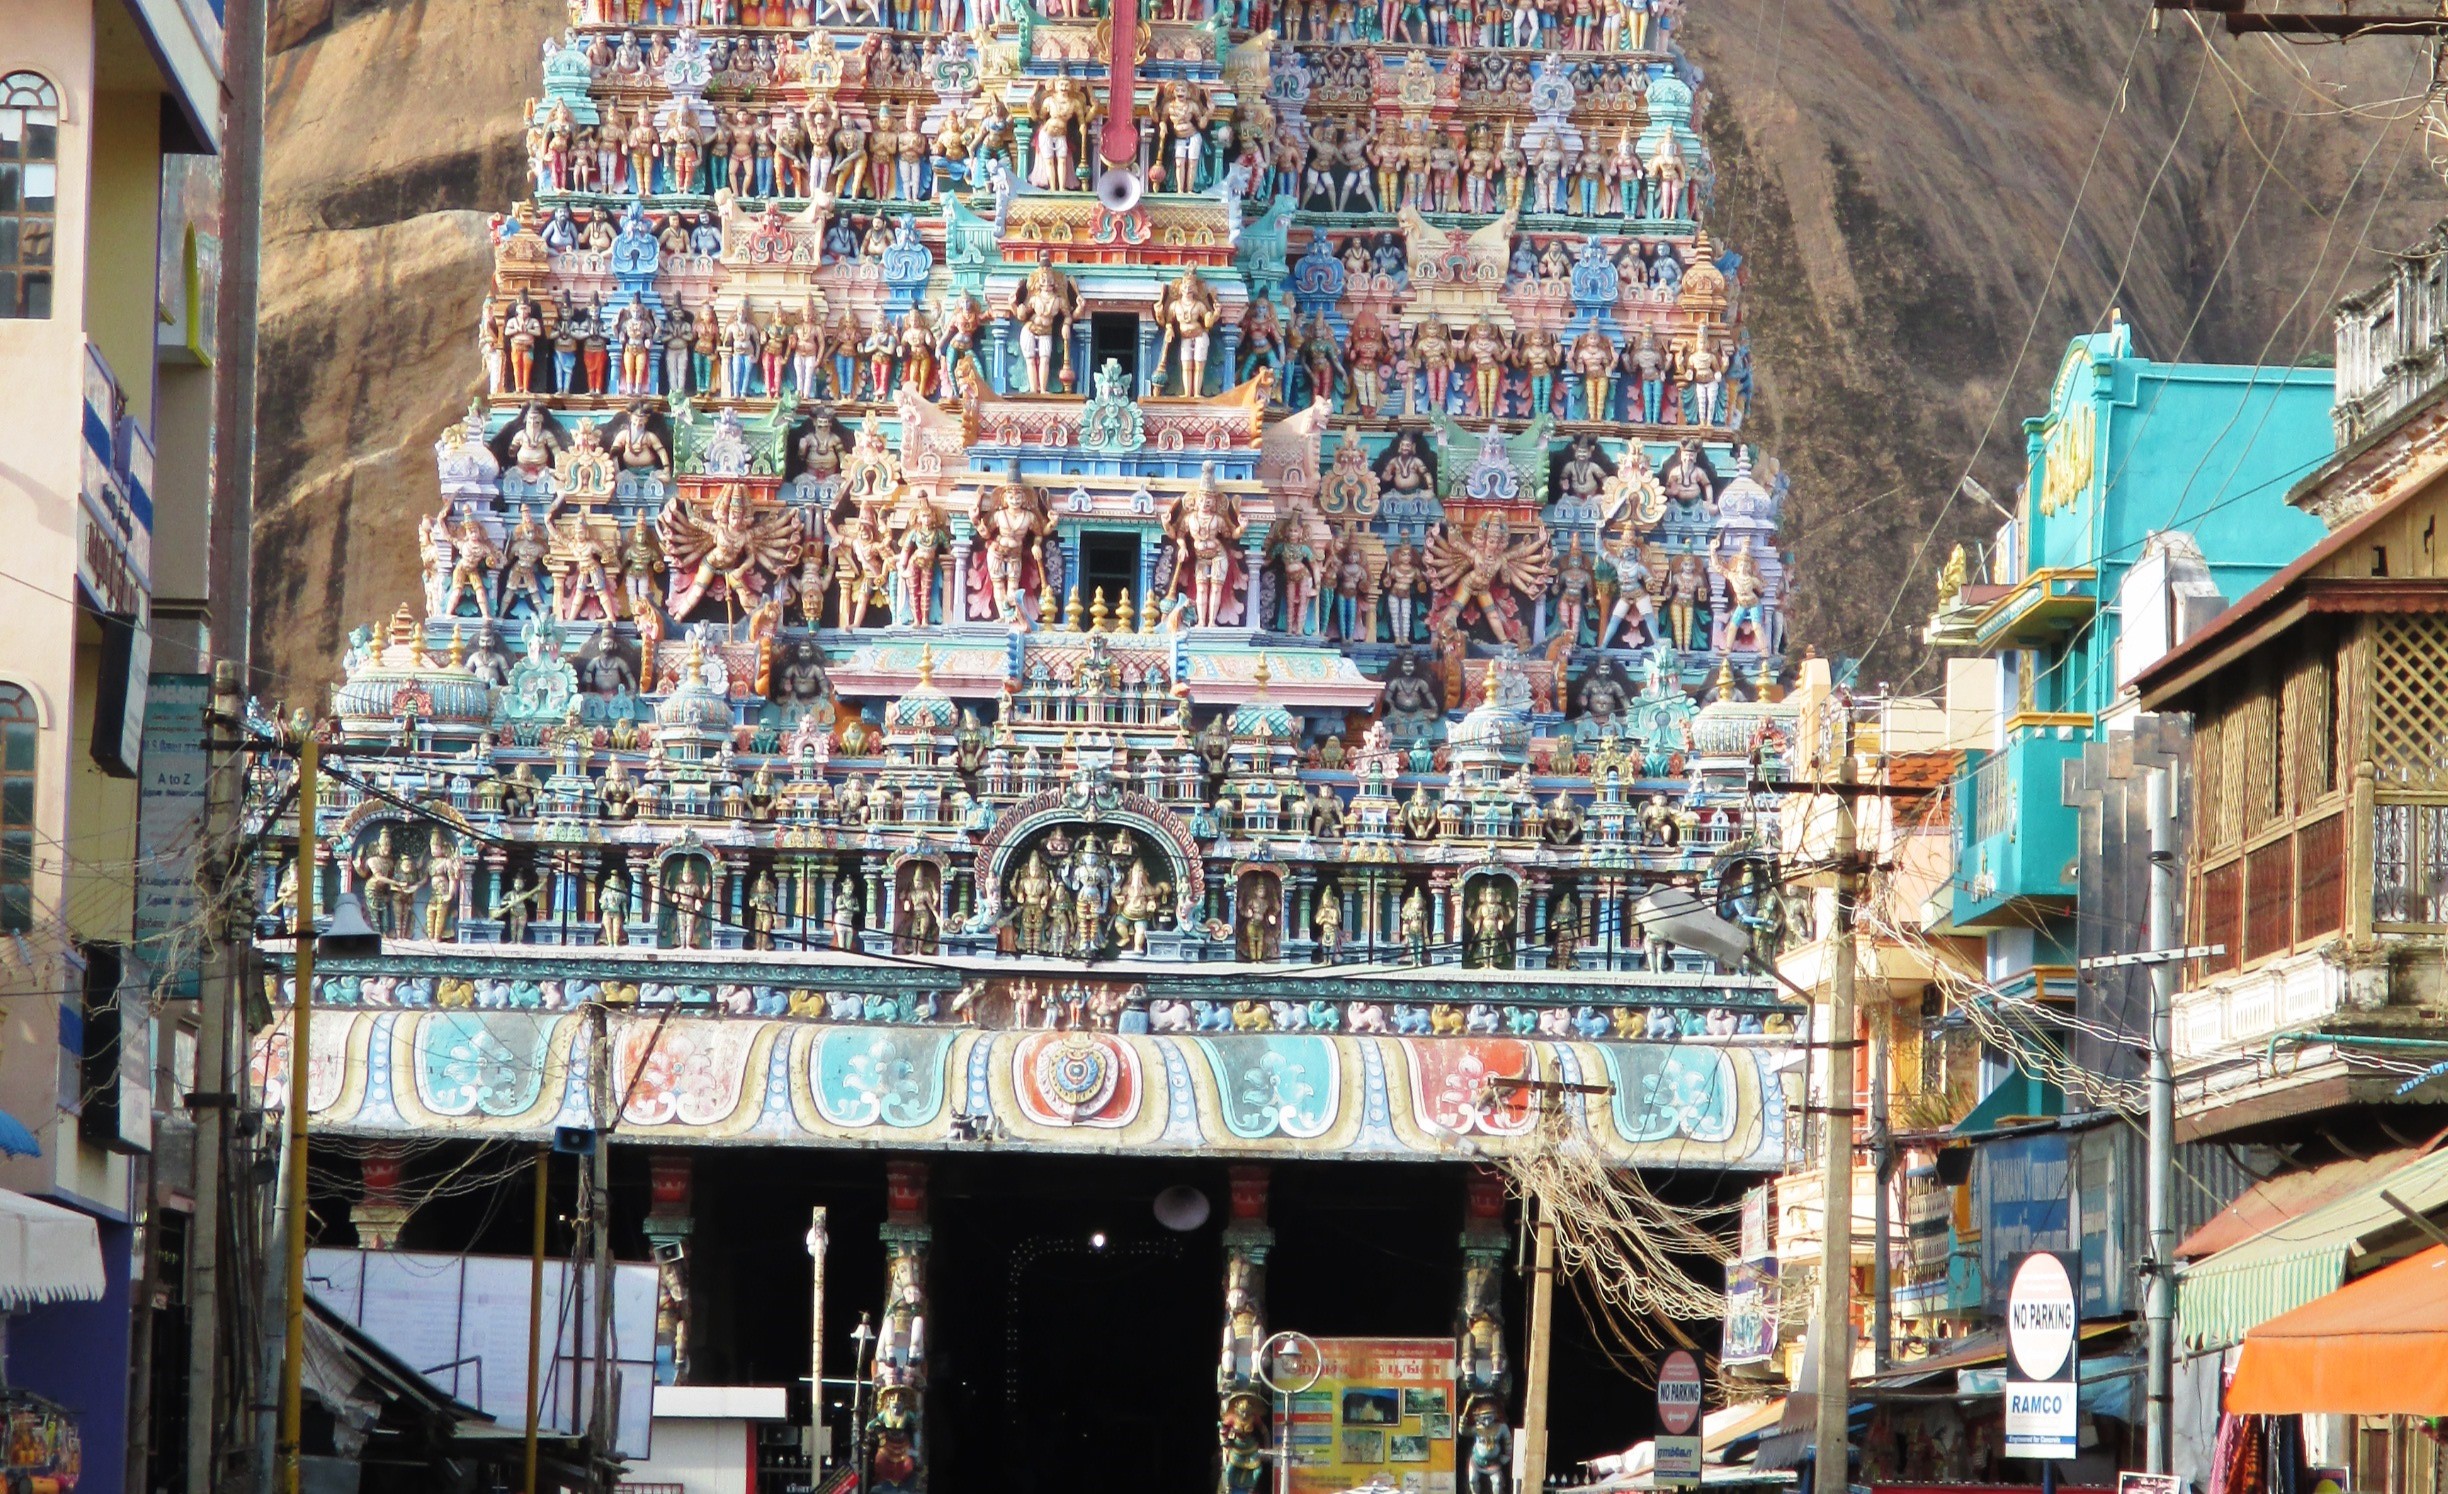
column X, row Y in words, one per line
column 2377, row 1346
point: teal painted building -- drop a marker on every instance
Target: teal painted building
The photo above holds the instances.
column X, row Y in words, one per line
column 2075, row 598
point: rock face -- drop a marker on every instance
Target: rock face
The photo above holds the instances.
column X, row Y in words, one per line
column 1896, row 173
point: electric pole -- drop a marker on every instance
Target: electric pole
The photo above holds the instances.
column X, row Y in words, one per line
column 1829, row 1466
column 1534, row 1376
column 224, row 868
column 2159, row 1309
column 301, row 1014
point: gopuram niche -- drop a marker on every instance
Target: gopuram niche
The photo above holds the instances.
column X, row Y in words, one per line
column 1135, row 502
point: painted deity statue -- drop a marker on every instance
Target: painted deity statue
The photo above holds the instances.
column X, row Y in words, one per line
column 1206, row 526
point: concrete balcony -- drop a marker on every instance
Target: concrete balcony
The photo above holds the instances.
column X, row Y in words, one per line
column 2015, row 834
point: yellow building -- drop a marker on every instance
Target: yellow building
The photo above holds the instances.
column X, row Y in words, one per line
column 109, row 113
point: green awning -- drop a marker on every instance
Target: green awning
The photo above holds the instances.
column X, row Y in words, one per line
column 2221, row 1297
column 2019, row 1095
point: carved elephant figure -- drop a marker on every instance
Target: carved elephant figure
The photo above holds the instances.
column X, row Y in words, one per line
column 1411, row 1019
column 1169, row 1016
column 842, row 1006
column 1213, row 1016
column 1589, row 1022
column 1324, row 1015
column 1289, row 1016
column 1555, row 1021
column 1251, row 1016
column 416, row 990
column 1481, row 1018
column 378, row 990
column 877, row 1008
column 454, row 994
column 1627, row 1021
column 1364, row 1016
column 1445, row 1019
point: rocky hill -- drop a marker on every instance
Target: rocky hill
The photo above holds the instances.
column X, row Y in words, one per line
column 1897, row 174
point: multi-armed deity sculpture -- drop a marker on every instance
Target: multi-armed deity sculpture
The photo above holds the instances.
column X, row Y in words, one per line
column 1274, row 494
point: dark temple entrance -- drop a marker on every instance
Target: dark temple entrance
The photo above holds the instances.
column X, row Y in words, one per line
column 1075, row 1336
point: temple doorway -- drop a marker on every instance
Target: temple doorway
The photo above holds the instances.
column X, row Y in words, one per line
column 1112, row 335
column 1109, row 564
column 1076, row 1335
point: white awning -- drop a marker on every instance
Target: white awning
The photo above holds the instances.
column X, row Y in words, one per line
column 47, row 1253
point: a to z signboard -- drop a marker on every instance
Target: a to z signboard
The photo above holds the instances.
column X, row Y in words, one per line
column 1383, row 1409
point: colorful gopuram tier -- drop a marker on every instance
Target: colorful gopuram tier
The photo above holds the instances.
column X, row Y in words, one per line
column 946, row 491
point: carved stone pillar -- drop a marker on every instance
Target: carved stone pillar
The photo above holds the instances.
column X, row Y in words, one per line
column 1241, row 1419
column 669, row 1220
column 379, row 1213
column 1483, row 1366
column 896, row 1419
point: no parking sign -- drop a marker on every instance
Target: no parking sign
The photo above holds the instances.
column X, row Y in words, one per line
column 2043, row 1330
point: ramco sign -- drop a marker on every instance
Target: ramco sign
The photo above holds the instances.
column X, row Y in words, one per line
column 2043, row 1327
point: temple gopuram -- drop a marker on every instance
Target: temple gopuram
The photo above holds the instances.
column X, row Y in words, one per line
column 1076, row 597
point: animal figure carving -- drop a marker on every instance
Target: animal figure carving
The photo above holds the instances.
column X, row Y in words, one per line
column 1413, row 1020
column 1480, row 1018
column 1169, row 1016
column 1251, row 1016
column 1364, row 1016
column 1445, row 1019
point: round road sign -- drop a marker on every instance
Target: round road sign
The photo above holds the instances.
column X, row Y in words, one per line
column 2040, row 1316
column 1679, row 1392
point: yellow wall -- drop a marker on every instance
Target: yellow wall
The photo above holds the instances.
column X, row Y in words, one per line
column 120, row 258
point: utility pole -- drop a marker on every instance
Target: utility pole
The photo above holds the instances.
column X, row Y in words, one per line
column 212, row 1101
column 535, row 1317
column 1829, row 1465
column 1882, row 1225
column 1534, row 1376
column 604, row 1438
column 2159, row 1310
column 819, row 1240
column 301, row 1014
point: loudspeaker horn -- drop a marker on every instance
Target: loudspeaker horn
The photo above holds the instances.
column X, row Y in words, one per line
column 1118, row 190
column 1181, row 1208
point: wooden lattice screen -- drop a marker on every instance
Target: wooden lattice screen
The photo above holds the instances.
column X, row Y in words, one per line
column 2320, row 857
column 2409, row 693
column 2311, row 716
column 2212, row 826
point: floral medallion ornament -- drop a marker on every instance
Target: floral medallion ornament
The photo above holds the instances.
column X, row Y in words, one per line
column 1077, row 1079
column 1112, row 421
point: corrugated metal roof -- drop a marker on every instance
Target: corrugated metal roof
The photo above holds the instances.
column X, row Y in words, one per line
column 2291, row 1263
column 2272, row 1202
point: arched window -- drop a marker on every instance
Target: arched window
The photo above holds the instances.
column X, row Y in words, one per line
column 19, row 727
column 29, row 192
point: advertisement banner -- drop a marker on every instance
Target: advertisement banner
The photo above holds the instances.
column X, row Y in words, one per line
column 170, row 829
column 1382, row 1409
